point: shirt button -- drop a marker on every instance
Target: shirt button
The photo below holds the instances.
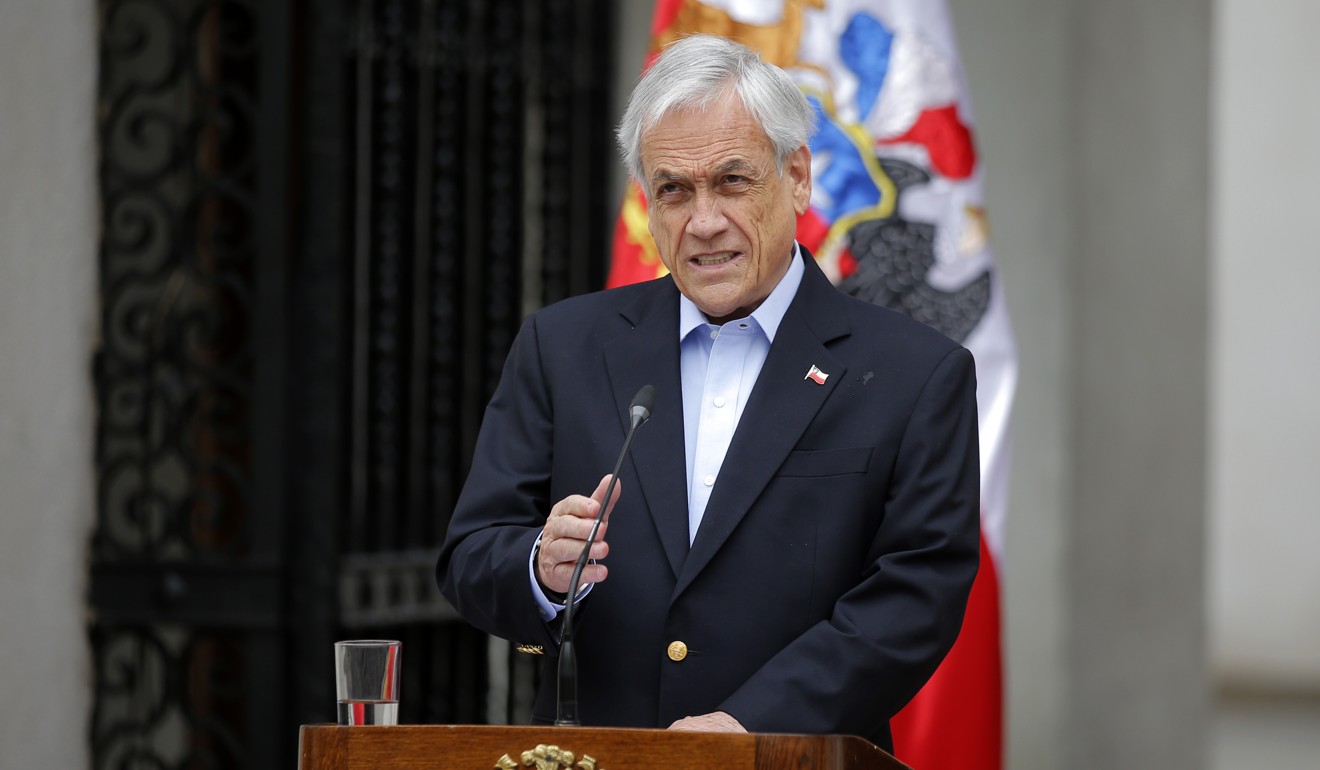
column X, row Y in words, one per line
column 719, row 401
column 714, row 333
column 677, row 651
column 710, row 479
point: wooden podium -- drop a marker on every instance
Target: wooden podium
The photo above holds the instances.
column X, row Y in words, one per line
column 460, row 747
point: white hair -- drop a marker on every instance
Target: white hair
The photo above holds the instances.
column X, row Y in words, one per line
column 697, row 71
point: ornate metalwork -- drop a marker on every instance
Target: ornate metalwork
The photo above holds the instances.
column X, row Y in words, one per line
column 180, row 96
column 176, row 277
column 545, row 757
column 169, row 697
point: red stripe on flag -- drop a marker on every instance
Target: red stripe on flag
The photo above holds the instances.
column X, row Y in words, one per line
column 665, row 13
column 956, row 721
column 627, row 266
column 635, row 258
column 947, row 138
column 812, row 230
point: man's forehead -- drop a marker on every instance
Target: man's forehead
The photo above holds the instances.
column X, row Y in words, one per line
column 719, row 139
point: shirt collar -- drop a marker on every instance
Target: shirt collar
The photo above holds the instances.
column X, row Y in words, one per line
column 767, row 315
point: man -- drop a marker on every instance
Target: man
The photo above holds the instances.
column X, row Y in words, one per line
column 795, row 535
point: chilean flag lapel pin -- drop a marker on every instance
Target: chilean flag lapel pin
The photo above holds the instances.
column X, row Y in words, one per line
column 816, row 375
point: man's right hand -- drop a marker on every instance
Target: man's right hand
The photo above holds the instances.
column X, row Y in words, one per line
column 565, row 534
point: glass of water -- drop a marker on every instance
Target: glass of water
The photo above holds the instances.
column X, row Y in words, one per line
column 367, row 681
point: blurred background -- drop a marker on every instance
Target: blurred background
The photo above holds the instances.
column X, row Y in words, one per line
column 260, row 263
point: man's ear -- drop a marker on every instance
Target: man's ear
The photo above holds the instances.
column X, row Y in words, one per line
column 798, row 167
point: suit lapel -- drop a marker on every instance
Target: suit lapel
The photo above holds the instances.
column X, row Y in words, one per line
column 783, row 403
column 649, row 355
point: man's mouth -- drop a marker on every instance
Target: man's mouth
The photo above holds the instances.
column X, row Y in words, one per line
column 708, row 260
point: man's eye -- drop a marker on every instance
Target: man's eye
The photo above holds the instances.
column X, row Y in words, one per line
column 667, row 189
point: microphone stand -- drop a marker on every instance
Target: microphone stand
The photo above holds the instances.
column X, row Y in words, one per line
column 566, row 708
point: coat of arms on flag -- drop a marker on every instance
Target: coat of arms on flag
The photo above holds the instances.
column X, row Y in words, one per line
column 896, row 218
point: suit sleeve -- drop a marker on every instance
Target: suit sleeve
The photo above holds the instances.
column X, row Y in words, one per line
column 482, row 568
column 886, row 636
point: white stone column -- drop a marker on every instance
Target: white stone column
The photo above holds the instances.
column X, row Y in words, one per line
column 1140, row 276
column 48, row 270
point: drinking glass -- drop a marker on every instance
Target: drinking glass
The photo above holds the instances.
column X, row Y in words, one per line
column 367, row 681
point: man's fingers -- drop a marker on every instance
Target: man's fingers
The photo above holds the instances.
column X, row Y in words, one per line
column 715, row 722
column 575, row 507
column 565, row 550
column 565, row 535
column 556, row 574
column 599, row 494
column 572, row 528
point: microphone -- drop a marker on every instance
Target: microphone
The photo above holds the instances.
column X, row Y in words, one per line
column 639, row 412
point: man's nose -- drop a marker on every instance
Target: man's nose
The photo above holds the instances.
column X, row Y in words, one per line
column 707, row 219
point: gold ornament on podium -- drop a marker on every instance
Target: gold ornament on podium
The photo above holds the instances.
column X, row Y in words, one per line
column 545, row 757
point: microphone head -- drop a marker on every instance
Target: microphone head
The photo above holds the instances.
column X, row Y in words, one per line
column 642, row 404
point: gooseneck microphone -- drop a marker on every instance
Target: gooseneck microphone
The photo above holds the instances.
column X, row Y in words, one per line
column 566, row 708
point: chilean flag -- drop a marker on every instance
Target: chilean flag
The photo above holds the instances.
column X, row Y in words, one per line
column 896, row 218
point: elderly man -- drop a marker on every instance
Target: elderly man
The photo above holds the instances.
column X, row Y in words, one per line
column 795, row 536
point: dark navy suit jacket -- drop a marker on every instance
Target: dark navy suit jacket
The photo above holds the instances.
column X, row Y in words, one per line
column 831, row 570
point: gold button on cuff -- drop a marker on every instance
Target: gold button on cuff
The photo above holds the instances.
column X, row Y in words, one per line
column 677, row 651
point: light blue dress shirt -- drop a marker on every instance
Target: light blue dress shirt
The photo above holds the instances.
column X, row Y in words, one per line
column 719, row 366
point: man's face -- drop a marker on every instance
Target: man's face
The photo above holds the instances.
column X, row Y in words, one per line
column 723, row 217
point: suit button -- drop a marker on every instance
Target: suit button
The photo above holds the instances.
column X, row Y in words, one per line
column 677, row 651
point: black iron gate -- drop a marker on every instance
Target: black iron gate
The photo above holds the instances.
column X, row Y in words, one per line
column 322, row 223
